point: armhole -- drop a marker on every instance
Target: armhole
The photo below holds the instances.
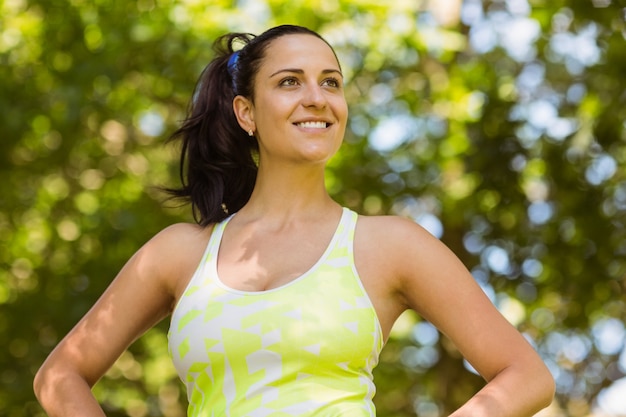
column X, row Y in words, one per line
column 380, row 340
column 202, row 264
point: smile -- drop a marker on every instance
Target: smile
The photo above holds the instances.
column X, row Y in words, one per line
column 312, row 125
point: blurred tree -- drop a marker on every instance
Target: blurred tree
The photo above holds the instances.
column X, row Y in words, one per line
column 498, row 125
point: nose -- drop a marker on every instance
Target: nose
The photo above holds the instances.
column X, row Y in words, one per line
column 314, row 96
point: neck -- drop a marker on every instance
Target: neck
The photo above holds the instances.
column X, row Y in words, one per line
column 289, row 193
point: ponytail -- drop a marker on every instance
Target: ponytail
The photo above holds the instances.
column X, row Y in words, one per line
column 217, row 166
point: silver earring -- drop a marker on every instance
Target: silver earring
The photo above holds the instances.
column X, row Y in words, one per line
column 250, row 132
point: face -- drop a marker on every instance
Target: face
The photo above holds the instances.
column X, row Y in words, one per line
column 299, row 110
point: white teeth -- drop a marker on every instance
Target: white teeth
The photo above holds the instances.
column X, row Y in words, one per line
column 313, row 125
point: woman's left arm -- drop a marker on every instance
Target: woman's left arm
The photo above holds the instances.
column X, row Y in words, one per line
column 432, row 281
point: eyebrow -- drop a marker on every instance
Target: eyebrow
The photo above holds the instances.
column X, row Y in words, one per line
column 300, row 71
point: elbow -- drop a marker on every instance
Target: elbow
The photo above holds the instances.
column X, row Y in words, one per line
column 46, row 382
column 550, row 389
column 546, row 387
column 40, row 383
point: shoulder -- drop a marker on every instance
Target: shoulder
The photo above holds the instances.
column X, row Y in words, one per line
column 393, row 233
column 173, row 254
column 176, row 240
column 393, row 242
column 182, row 232
column 391, row 255
column 403, row 252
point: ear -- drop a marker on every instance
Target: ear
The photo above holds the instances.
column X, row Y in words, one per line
column 244, row 111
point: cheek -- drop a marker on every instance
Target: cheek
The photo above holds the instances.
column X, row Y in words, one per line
column 341, row 110
column 277, row 107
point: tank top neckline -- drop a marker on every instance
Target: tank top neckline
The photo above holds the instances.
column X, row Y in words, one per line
column 216, row 240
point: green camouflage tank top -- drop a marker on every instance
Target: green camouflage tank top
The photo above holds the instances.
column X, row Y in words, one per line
column 306, row 348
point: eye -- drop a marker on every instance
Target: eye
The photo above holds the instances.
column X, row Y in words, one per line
column 331, row 82
column 289, row 82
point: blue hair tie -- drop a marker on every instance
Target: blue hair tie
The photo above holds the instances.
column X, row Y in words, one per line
column 232, row 63
column 232, row 67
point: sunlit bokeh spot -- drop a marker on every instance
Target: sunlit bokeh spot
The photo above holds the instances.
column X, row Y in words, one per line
column 612, row 400
column 609, row 335
column 151, row 123
column 601, row 169
column 497, row 259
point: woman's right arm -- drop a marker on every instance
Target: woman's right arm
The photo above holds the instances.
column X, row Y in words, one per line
column 141, row 295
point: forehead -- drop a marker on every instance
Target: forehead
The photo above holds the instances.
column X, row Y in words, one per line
column 298, row 51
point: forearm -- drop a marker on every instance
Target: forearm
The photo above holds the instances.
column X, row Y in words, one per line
column 512, row 393
column 66, row 395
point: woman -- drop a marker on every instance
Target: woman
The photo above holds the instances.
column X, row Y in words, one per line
column 281, row 308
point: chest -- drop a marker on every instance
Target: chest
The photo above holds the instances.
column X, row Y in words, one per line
column 251, row 261
column 323, row 319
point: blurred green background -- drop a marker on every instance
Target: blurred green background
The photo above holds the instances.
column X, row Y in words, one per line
column 498, row 125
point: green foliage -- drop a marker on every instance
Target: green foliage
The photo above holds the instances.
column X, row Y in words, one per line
column 513, row 149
